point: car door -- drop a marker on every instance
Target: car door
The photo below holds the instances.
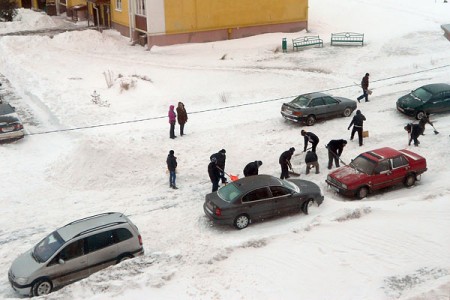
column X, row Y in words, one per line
column 317, row 108
column 438, row 103
column 400, row 167
column 332, row 106
column 381, row 176
column 258, row 203
column 101, row 251
column 69, row 265
column 283, row 201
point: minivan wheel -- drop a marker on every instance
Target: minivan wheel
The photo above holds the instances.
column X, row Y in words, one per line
column 241, row 221
column 410, row 180
column 362, row 192
column 347, row 112
column 310, row 120
column 42, row 287
column 124, row 257
column 419, row 115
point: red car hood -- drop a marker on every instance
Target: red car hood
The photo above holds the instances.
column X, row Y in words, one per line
column 348, row 175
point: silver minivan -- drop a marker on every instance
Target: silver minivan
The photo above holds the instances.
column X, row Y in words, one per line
column 75, row 251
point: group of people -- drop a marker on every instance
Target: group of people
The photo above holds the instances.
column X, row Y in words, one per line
column 180, row 115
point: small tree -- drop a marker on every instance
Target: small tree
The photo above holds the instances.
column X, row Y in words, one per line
column 8, row 10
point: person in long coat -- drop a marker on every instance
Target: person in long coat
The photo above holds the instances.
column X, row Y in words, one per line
column 285, row 162
column 252, row 168
column 365, row 88
column 221, row 158
column 357, row 123
column 181, row 116
column 172, row 166
column 335, row 148
column 172, row 120
column 214, row 174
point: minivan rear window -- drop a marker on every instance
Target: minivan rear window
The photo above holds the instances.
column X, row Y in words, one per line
column 99, row 241
column 122, row 234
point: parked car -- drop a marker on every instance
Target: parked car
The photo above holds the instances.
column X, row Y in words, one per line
column 258, row 197
column 10, row 125
column 430, row 98
column 377, row 169
column 75, row 251
column 308, row 108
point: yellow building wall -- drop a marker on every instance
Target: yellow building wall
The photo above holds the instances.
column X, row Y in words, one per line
column 199, row 15
column 120, row 17
column 71, row 3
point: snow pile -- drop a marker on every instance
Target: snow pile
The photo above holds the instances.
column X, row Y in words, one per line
column 27, row 19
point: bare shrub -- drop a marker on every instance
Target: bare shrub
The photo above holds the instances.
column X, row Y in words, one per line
column 109, row 78
column 223, row 97
column 224, row 57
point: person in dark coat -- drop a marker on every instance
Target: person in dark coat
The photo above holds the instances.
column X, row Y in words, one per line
column 423, row 121
column 311, row 138
column 172, row 166
column 311, row 162
column 335, row 148
column 220, row 158
column 285, row 162
column 357, row 123
column 214, row 174
column 252, row 168
column 365, row 88
column 181, row 116
column 414, row 130
column 172, row 120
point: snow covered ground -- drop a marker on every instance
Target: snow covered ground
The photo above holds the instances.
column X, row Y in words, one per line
column 391, row 245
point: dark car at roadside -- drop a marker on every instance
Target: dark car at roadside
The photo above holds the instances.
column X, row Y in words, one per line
column 258, row 197
column 308, row 108
column 427, row 99
column 11, row 127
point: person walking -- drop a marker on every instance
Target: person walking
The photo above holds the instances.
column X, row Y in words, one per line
column 365, row 88
column 335, row 148
column 220, row 159
column 285, row 162
column 214, row 174
column 311, row 162
column 172, row 166
column 252, row 168
column 172, row 120
column 357, row 123
column 311, row 138
column 423, row 121
column 182, row 117
column 414, row 131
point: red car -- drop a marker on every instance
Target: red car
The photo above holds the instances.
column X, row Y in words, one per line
column 377, row 169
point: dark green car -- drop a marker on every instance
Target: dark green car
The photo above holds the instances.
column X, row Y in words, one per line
column 430, row 98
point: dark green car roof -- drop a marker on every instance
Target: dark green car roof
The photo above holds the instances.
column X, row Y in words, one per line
column 436, row 88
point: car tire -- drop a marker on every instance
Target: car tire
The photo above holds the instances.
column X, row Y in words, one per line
column 42, row 287
column 310, row 120
column 241, row 221
column 124, row 257
column 410, row 179
column 347, row 112
column 306, row 205
column 420, row 114
column 362, row 192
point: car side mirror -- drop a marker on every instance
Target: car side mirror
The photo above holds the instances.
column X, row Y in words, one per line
column 61, row 261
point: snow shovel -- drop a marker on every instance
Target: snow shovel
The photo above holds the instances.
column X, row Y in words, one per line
column 291, row 171
column 435, row 131
column 232, row 177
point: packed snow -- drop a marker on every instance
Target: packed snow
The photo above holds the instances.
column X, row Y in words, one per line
column 81, row 158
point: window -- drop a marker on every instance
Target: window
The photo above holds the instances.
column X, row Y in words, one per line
column 118, row 4
column 255, row 195
column 140, row 7
column 73, row 250
column 229, row 192
column 329, row 101
column 316, row 102
column 278, row 191
column 382, row 167
column 122, row 234
column 399, row 161
column 47, row 247
column 99, row 241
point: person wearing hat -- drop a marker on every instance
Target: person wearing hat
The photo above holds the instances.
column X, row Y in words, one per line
column 181, row 117
column 357, row 123
column 252, row 168
column 285, row 162
column 220, row 158
column 365, row 88
column 172, row 120
column 335, row 148
column 172, row 166
column 214, row 173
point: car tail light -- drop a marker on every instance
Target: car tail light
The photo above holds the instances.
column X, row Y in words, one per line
column 19, row 126
column 218, row 212
column 140, row 240
column 297, row 113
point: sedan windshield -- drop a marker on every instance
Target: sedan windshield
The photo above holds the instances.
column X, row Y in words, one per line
column 363, row 164
column 47, row 247
column 300, row 101
column 422, row 94
column 229, row 192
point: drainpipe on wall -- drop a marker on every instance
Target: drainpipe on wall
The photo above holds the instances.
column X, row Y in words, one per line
column 96, row 13
column 130, row 26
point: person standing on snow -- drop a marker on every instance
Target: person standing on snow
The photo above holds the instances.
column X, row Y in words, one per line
column 172, row 120
column 182, row 117
column 335, row 148
column 423, row 121
column 220, row 158
column 285, row 162
column 214, row 174
column 357, row 123
column 252, row 168
column 365, row 88
column 311, row 162
column 172, row 166
column 311, row 138
column 414, row 131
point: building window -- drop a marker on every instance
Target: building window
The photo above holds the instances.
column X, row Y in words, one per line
column 118, row 4
column 140, row 7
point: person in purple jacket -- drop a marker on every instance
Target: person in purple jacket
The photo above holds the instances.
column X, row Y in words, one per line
column 172, row 121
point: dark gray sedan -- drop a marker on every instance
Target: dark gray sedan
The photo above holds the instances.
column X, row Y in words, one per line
column 308, row 108
column 258, row 197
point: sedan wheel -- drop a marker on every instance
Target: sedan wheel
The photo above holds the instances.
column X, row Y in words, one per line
column 347, row 112
column 420, row 115
column 410, row 180
column 362, row 192
column 241, row 221
column 42, row 287
column 306, row 205
column 310, row 120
